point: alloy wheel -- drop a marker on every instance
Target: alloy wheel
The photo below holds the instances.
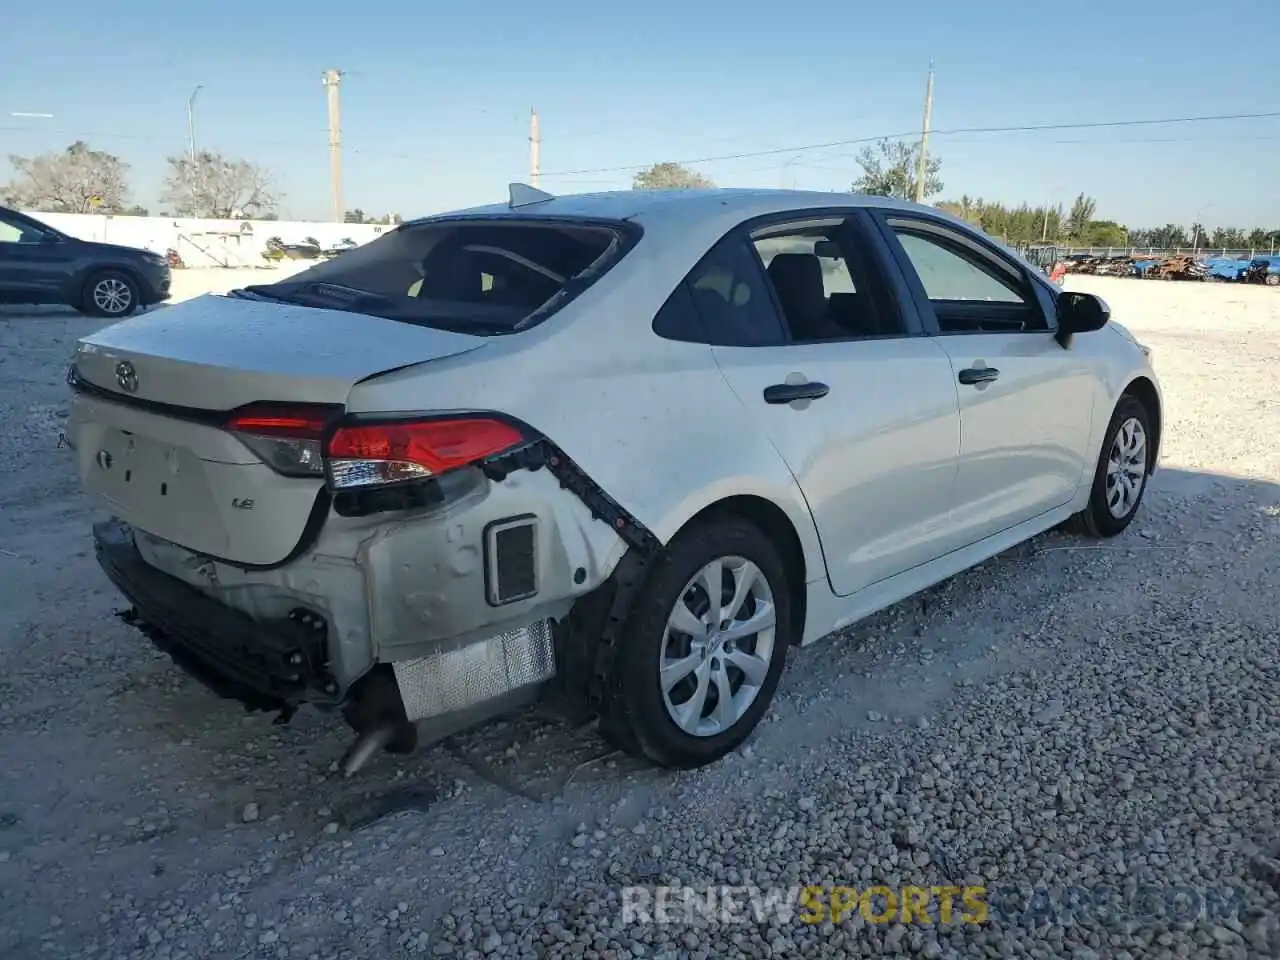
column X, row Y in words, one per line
column 717, row 646
column 112, row 295
column 1126, row 468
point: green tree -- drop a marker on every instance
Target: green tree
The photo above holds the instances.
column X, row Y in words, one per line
column 1259, row 238
column 1019, row 225
column 669, row 176
column 1105, row 233
column 890, row 169
column 1225, row 238
column 1081, row 215
column 355, row 216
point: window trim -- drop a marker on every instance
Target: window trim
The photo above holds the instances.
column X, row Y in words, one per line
column 850, row 219
column 982, row 249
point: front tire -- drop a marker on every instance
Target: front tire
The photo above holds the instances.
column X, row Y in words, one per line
column 1120, row 479
column 693, row 677
column 110, row 294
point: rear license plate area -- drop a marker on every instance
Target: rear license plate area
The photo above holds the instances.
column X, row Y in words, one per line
column 155, row 485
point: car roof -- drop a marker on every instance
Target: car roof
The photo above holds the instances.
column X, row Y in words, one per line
column 728, row 204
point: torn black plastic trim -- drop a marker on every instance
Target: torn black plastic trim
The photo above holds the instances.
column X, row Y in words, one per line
column 538, row 452
column 541, row 453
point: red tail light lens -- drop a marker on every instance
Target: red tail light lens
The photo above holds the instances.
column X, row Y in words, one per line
column 287, row 438
column 363, row 455
column 266, row 421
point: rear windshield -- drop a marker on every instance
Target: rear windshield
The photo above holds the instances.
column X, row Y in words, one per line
column 483, row 277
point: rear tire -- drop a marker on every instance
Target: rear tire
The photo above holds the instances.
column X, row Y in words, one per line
column 684, row 698
column 1272, row 280
column 110, row 294
column 1120, row 478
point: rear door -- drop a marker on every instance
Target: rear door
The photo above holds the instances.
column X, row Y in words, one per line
column 860, row 405
column 1026, row 403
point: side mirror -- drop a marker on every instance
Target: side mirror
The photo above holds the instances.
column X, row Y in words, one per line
column 1080, row 313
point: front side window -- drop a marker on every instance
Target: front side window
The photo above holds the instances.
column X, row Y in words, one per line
column 969, row 291
column 948, row 275
column 481, row 277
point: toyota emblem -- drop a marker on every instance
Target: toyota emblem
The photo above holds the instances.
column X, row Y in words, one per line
column 127, row 377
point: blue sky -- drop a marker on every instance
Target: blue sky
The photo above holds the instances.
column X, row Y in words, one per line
column 436, row 99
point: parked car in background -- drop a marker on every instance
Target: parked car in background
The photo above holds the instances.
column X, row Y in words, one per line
column 41, row 265
column 1265, row 269
column 342, row 246
column 629, row 447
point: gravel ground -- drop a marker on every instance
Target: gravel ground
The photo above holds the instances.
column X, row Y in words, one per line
column 1070, row 714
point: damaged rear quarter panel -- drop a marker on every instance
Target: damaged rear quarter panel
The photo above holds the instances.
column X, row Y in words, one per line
column 651, row 421
column 425, row 577
column 397, row 589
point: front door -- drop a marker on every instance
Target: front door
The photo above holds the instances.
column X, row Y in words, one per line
column 1025, row 401
column 32, row 263
column 861, row 407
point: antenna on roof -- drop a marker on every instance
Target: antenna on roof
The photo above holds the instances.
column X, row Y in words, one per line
column 522, row 195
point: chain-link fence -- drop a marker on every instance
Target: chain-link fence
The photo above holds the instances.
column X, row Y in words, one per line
column 1163, row 252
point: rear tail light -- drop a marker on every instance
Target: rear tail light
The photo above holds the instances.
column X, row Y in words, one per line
column 291, row 439
column 288, row 438
column 365, row 455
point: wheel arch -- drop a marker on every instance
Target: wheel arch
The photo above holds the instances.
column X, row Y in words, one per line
column 80, row 283
column 1145, row 392
column 774, row 522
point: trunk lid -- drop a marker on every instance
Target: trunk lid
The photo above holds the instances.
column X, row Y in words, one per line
column 217, row 353
column 174, row 472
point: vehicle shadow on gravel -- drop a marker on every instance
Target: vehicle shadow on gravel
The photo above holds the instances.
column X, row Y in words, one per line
column 889, row 671
column 124, row 771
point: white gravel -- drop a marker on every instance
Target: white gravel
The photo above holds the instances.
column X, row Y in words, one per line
column 1069, row 714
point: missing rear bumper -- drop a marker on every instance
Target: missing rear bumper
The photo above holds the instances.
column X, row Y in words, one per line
column 265, row 665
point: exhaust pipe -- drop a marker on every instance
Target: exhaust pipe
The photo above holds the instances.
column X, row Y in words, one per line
column 366, row 745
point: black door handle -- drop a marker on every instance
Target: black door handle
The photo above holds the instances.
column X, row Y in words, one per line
column 979, row 375
column 787, row 392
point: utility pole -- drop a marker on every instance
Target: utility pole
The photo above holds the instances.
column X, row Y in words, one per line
column 924, row 137
column 331, row 79
column 535, row 146
column 191, row 119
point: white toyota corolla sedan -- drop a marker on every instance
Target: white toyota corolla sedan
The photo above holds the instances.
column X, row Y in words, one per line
column 624, row 448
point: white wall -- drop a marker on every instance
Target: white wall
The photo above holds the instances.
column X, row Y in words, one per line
column 204, row 243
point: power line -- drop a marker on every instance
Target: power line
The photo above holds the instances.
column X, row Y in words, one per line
column 1021, row 128
column 769, row 152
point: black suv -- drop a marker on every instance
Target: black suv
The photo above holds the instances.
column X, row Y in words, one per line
column 41, row 265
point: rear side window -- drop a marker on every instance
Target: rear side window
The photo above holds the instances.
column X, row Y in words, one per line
column 483, row 277
column 723, row 301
